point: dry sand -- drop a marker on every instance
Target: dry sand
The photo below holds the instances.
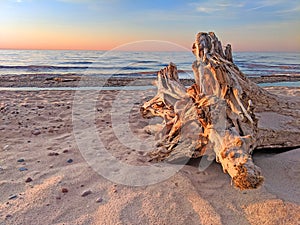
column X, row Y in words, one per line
column 36, row 129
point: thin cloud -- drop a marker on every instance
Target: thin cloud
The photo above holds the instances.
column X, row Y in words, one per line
column 281, row 9
column 266, row 3
column 207, row 9
column 88, row 1
column 17, row 1
column 213, row 6
column 291, row 10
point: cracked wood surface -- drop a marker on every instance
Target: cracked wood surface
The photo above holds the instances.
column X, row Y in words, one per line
column 223, row 115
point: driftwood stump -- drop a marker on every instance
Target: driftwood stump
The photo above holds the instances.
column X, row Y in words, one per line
column 223, row 115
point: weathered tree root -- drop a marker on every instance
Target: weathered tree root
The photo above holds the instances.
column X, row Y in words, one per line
column 215, row 116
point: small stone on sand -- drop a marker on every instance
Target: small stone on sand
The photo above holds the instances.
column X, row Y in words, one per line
column 53, row 154
column 99, row 200
column 36, row 132
column 12, row 197
column 114, row 189
column 28, row 180
column 86, row 193
column 64, row 190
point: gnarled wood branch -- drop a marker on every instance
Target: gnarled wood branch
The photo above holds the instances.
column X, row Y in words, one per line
column 223, row 114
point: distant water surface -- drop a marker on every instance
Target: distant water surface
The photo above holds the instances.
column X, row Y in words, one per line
column 129, row 64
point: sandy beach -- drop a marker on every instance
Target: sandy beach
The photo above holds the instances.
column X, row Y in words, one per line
column 44, row 178
column 149, row 112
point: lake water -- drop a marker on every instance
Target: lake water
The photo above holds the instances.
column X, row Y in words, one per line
column 137, row 64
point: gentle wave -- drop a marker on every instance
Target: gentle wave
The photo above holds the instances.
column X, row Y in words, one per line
column 146, row 61
column 74, row 67
column 113, row 88
column 33, row 68
column 92, row 63
column 257, row 66
column 77, row 63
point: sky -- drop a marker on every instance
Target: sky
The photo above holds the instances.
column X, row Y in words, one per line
column 248, row 25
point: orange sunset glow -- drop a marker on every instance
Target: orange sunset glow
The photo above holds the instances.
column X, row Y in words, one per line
column 104, row 25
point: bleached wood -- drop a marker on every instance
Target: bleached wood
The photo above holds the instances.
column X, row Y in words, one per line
column 223, row 114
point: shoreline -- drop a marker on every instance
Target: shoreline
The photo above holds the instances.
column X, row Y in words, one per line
column 71, row 80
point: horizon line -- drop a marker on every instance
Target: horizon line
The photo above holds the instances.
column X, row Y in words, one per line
column 127, row 50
